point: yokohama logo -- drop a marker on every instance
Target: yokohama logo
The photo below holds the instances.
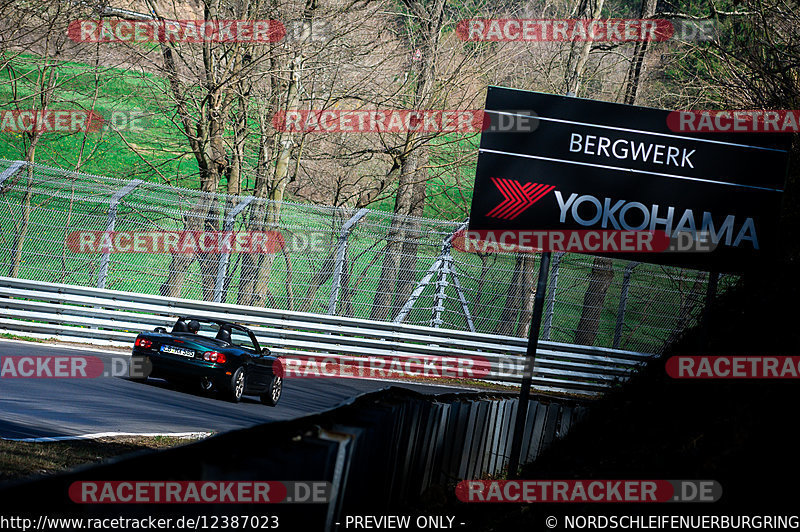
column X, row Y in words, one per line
column 517, row 197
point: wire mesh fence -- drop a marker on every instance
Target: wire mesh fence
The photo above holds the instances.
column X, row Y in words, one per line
column 365, row 264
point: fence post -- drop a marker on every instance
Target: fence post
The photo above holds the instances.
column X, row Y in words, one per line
column 436, row 267
column 462, row 299
column 417, row 291
column 551, row 300
column 11, row 170
column 222, row 266
column 338, row 267
column 623, row 302
column 111, row 224
column 441, row 285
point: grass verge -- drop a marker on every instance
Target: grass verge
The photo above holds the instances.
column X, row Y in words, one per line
column 19, row 460
column 7, row 336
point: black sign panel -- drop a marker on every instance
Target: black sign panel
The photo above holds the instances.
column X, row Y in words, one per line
column 591, row 165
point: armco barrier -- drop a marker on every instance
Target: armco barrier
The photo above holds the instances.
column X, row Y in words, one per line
column 88, row 314
column 383, row 450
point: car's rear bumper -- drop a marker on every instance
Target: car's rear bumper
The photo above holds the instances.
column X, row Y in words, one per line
column 167, row 365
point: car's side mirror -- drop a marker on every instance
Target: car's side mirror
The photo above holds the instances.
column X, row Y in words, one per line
column 160, row 330
column 265, row 351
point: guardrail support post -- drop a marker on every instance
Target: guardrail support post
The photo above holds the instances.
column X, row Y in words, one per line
column 341, row 250
column 222, row 266
column 551, row 301
column 623, row 302
column 111, row 224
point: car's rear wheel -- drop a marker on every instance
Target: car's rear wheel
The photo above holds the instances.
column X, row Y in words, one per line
column 273, row 393
column 235, row 388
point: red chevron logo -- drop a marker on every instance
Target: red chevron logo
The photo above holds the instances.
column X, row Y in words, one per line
column 517, row 197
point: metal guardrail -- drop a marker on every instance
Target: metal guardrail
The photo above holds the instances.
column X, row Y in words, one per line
column 88, row 314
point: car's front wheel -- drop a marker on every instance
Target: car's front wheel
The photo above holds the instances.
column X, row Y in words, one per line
column 273, row 393
column 235, row 388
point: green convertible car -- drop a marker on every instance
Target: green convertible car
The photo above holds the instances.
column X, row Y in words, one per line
column 213, row 355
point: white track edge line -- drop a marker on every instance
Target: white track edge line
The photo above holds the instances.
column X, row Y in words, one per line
column 97, row 435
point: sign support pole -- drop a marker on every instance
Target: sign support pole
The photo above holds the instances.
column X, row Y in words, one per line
column 530, row 357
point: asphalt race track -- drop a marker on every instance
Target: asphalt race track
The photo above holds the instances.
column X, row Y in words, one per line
column 50, row 407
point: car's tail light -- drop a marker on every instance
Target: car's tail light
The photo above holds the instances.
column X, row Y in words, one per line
column 143, row 342
column 213, row 356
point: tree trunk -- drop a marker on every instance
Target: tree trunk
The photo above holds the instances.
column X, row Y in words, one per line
column 686, row 310
column 579, row 51
column 252, row 280
column 322, row 275
column 22, row 231
column 256, row 270
column 406, row 279
column 639, row 50
column 528, row 296
column 593, row 301
column 398, row 271
column 383, row 300
column 46, row 84
column 514, row 295
column 179, row 265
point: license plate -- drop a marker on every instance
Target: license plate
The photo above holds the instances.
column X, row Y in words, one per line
column 177, row 351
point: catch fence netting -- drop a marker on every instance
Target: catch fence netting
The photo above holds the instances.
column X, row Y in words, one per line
column 365, row 264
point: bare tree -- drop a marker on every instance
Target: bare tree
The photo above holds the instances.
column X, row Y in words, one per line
column 33, row 90
column 639, row 50
column 579, row 51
